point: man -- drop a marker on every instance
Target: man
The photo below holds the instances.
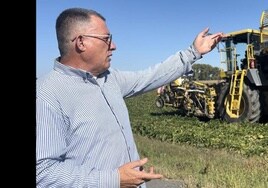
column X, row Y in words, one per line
column 83, row 133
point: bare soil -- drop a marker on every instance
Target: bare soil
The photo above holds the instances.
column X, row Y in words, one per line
column 164, row 184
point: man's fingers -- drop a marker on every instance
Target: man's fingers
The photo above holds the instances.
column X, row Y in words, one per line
column 217, row 37
column 148, row 176
column 138, row 163
column 204, row 32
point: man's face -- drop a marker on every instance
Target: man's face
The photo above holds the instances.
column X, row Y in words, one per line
column 99, row 46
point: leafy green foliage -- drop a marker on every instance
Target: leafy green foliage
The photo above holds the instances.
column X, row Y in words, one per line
column 205, row 72
column 167, row 125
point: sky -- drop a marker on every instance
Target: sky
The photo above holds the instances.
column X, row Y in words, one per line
column 147, row 32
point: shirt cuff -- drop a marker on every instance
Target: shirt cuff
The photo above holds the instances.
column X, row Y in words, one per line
column 196, row 54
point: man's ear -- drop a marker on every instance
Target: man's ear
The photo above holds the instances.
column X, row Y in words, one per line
column 80, row 43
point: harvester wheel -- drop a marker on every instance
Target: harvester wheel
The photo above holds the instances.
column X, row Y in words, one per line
column 159, row 102
column 250, row 107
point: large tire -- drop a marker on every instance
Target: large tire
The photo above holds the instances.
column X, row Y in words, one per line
column 159, row 102
column 250, row 107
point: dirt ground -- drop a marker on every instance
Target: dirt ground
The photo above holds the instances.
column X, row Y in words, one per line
column 164, row 184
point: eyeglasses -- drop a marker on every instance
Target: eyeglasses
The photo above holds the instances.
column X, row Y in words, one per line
column 105, row 38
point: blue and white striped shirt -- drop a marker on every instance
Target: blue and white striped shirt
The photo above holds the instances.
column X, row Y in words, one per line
column 83, row 132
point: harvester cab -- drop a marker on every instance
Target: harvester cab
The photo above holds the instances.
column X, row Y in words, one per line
column 244, row 67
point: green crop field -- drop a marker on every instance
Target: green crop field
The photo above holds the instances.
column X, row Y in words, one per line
column 199, row 153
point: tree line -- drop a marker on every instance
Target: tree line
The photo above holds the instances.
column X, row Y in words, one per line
column 205, row 72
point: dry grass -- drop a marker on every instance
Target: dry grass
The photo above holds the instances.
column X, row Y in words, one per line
column 201, row 167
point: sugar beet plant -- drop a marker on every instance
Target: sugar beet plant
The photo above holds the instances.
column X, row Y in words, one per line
column 167, row 125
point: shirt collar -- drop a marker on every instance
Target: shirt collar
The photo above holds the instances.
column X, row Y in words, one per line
column 67, row 70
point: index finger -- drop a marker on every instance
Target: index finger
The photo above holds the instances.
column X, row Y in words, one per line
column 149, row 176
column 137, row 163
column 216, row 35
